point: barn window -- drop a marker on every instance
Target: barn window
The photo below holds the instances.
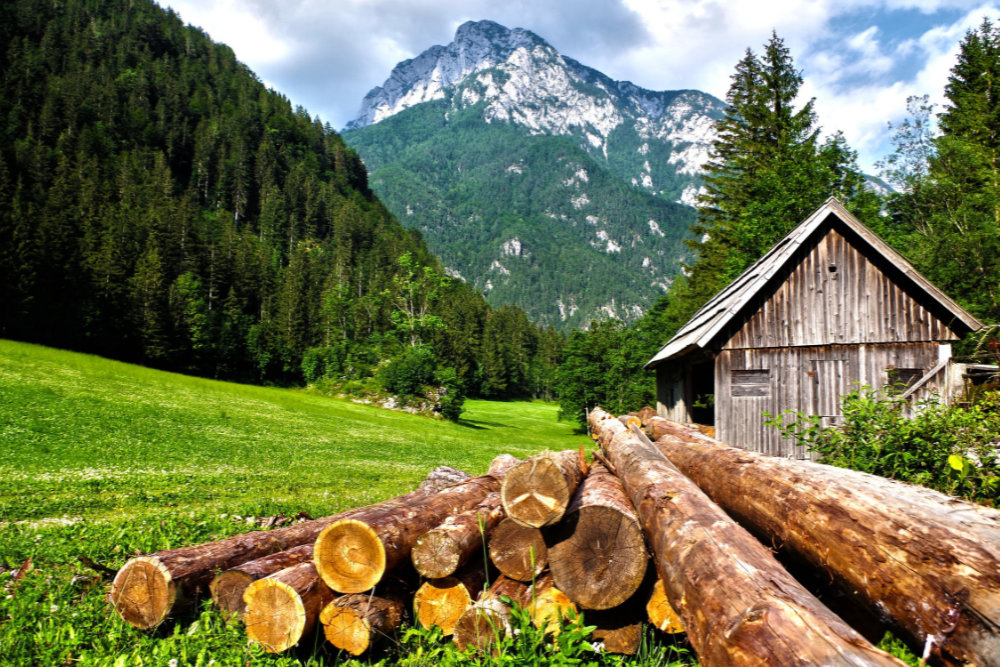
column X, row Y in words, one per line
column 755, row 382
column 901, row 379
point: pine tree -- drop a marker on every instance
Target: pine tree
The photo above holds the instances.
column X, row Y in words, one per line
column 768, row 172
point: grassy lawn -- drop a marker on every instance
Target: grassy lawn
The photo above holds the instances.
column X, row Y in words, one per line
column 103, row 460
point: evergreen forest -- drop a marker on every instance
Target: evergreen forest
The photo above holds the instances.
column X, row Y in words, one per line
column 159, row 204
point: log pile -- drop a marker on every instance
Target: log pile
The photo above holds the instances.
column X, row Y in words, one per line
column 663, row 527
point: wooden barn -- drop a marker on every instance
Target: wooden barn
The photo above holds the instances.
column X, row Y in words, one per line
column 830, row 307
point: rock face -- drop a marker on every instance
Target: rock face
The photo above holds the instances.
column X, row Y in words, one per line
column 539, row 180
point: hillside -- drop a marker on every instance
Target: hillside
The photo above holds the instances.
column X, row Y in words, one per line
column 159, row 204
column 103, row 458
column 539, row 180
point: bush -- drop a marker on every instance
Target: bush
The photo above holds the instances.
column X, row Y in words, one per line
column 953, row 449
column 408, row 373
column 452, row 396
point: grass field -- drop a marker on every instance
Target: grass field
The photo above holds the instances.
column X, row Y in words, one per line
column 103, row 460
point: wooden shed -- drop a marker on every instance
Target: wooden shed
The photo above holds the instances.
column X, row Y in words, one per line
column 830, row 307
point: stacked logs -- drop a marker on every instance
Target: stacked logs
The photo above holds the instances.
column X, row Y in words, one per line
column 648, row 531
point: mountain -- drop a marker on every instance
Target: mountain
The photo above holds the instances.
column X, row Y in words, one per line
column 541, row 181
column 159, row 204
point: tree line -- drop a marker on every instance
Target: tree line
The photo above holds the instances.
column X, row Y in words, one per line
column 158, row 204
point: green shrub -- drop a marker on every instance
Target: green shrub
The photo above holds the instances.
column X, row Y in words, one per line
column 452, row 397
column 408, row 373
column 953, row 449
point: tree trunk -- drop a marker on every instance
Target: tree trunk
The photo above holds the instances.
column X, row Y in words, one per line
column 148, row 588
column 739, row 606
column 353, row 554
column 283, row 607
column 927, row 560
column 536, row 492
column 489, row 619
column 227, row 587
column 442, row 602
column 646, row 414
column 441, row 551
column 356, row 622
column 619, row 630
column 548, row 605
column 519, row 552
column 597, row 553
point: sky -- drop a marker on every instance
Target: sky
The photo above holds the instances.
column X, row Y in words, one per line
column 860, row 59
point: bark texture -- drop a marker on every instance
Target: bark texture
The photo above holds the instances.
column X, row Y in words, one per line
column 739, row 606
column 536, row 491
column 928, row 561
column 442, row 602
column 489, row 618
column 227, row 587
column 441, row 551
column 353, row 554
column 356, row 622
column 148, row 588
column 283, row 607
column 597, row 553
column 519, row 552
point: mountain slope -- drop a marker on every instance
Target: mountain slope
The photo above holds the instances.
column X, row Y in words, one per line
column 540, row 181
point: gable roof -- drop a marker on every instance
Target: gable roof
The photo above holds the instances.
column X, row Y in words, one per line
column 706, row 324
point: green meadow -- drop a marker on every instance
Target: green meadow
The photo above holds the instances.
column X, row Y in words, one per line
column 101, row 460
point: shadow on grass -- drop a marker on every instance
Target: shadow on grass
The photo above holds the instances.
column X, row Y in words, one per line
column 480, row 425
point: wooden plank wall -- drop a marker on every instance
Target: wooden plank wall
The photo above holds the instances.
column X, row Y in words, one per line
column 803, row 379
column 837, row 295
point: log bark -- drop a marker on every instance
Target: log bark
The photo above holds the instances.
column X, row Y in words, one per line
column 489, row 619
column 597, row 553
column 283, row 607
column 519, row 552
column 441, row 551
column 929, row 562
column 646, row 414
column 442, row 602
column 149, row 588
column 548, row 605
column 227, row 587
column 738, row 605
column 536, row 492
column 353, row 554
column 355, row 623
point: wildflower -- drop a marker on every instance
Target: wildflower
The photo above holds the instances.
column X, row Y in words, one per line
column 53, row 609
column 172, row 663
column 598, row 647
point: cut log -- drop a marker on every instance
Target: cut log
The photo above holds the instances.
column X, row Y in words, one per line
column 660, row 613
column 519, row 552
column 618, row 630
column 738, row 605
column 442, row 602
column 929, row 562
column 536, row 491
column 646, row 414
column 283, row 607
column 353, row 554
column 441, row 551
column 354, row 623
column 441, row 477
column 548, row 605
column 597, row 553
column 227, row 587
column 630, row 420
column 488, row 620
column 148, row 588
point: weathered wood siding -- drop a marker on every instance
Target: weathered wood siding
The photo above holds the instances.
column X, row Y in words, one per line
column 671, row 396
column 837, row 295
column 807, row 379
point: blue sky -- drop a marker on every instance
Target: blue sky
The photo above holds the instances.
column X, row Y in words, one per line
column 861, row 59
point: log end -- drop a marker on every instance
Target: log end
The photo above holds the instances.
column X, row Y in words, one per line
column 227, row 589
column 535, row 493
column 143, row 592
column 519, row 552
column 275, row 617
column 436, row 555
column 441, row 602
column 349, row 556
column 345, row 628
column 548, row 608
column 480, row 627
column 660, row 613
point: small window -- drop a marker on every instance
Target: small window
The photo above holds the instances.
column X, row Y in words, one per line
column 901, row 379
column 755, row 382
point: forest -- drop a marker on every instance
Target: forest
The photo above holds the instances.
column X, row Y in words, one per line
column 159, row 204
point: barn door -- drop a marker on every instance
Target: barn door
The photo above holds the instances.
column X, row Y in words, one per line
column 827, row 386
